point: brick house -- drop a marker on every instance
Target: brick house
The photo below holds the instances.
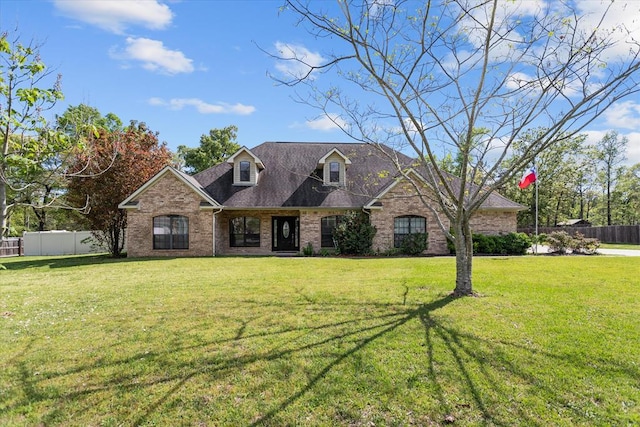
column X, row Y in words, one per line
column 281, row 196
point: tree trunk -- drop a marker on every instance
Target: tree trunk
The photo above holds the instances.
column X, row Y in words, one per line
column 609, row 199
column 464, row 259
column 41, row 215
column 557, row 210
column 4, row 211
column 115, row 239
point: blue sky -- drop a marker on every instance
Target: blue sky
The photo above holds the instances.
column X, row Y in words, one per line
column 185, row 67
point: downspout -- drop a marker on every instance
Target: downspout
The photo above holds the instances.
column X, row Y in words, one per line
column 368, row 213
column 213, row 231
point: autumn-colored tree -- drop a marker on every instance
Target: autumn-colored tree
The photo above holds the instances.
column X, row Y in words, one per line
column 113, row 167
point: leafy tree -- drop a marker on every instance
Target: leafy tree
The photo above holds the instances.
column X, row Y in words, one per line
column 626, row 196
column 82, row 121
column 24, row 218
column 354, row 234
column 31, row 153
column 45, row 185
column 559, row 170
column 609, row 153
column 429, row 74
column 79, row 124
column 214, row 148
column 106, row 180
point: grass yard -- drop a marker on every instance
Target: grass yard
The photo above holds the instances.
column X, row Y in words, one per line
column 319, row 341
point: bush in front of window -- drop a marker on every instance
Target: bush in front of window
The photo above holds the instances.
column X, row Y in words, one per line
column 354, row 234
column 414, row 244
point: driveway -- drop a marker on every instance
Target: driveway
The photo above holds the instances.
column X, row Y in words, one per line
column 541, row 249
column 621, row 252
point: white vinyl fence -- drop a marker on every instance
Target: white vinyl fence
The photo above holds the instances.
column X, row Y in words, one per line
column 60, row 243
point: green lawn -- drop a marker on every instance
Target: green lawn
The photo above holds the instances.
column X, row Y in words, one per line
column 319, row 341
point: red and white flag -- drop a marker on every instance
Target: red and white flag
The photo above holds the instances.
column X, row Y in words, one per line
column 528, row 178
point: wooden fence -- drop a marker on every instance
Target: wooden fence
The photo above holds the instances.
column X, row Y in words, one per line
column 11, row 247
column 611, row 234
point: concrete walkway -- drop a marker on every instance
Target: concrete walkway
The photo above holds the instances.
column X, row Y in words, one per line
column 541, row 249
column 621, row 252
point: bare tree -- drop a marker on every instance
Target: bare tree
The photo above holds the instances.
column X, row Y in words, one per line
column 463, row 77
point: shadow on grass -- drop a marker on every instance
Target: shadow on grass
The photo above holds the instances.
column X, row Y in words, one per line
column 477, row 367
column 67, row 261
column 394, row 323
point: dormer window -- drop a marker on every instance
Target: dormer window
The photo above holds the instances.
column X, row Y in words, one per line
column 334, row 172
column 334, row 168
column 246, row 167
column 245, row 171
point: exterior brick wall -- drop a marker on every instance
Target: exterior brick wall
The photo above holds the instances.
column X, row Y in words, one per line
column 169, row 196
column 403, row 200
column 223, row 246
column 492, row 222
column 311, row 227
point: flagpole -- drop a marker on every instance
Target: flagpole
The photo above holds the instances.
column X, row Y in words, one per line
column 534, row 166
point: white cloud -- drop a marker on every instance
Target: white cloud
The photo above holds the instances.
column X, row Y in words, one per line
column 622, row 115
column 506, row 14
column 616, row 21
column 620, row 22
column 116, row 16
column 326, row 123
column 633, row 148
column 296, row 61
column 625, row 115
column 377, row 7
column 203, row 107
column 535, row 85
column 154, row 56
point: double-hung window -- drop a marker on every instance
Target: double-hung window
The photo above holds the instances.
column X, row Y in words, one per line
column 404, row 226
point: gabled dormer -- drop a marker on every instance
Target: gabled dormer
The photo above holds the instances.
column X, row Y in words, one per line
column 246, row 167
column 334, row 168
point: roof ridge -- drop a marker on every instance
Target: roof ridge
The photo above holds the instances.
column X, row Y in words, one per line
column 314, row 142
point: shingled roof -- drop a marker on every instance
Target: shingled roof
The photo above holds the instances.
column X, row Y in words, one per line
column 291, row 178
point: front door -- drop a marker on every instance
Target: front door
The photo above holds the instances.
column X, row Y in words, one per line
column 285, row 233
